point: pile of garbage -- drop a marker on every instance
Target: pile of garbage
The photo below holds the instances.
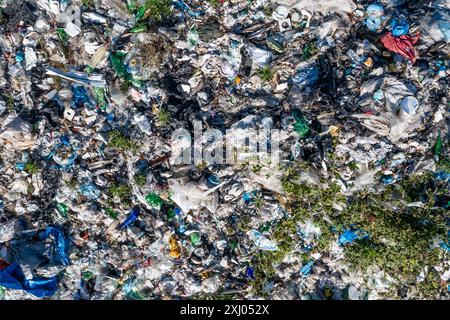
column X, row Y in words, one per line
column 100, row 98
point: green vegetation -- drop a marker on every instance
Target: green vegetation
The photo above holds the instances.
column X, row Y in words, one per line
column 121, row 191
column 31, row 168
column 267, row 9
column 163, row 117
column 401, row 237
column 353, row 166
column 309, row 50
column 256, row 168
column 265, row 73
column 72, row 183
column 118, row 141
column 215, row 3
column 444, row 163
column 87, row 3
column 159, row 9
column 111, row 213
column 258, row 202
column 244, row 223
column 140, row 179
column 9, row 100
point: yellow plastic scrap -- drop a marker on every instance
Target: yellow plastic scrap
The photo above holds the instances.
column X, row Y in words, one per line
column 334, row 131
column 174, row 248
column 369, row 62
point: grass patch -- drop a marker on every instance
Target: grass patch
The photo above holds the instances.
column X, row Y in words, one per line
column 265, row 73
column 118, row 141
column 32, row 168
column 140, row 179
column 159, row 9
column 87, row 3
column 400, row 236
column 122, row 191
column 163, row 117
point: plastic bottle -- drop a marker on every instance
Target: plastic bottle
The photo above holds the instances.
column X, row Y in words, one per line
column 143, row 123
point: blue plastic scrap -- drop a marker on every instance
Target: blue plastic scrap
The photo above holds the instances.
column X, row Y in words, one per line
column 306, row 77
column 442, row 176
column 80, row 96
column 374, row 16
column 306, row 269
column 446, row 245
column 350, row 235
column 132, row 217
column 181, row 5
column 250, row 273
column 400, row 27
column 60, row 243
column 12, row 277
column 387, row 179
column 90, row 191
column 248, row 196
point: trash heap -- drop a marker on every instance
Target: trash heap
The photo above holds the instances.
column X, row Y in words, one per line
column 92, row 206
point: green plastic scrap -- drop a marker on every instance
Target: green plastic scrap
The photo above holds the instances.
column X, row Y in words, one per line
column 62, row 209
column 308, row 51
column 154, row 200
column 171, row 214
column 111, row 213
column 141, row 12
column 133, row 295
column 137, row 83
column 89, row 69
column 139, row 28
column 195, row 238
column 99, row 96
column 233, row 244
column 62, row 35
column 265, row 227
column 87, row 275
column 301, row 127
column 117, row 63
column 2, row 293
column 131, row 5
column 437, row 148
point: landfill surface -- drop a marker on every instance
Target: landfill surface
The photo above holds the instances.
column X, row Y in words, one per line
column 95, row 205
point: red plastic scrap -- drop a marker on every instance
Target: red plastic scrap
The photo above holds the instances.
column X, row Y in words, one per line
column 403, row 45
column 3, row 264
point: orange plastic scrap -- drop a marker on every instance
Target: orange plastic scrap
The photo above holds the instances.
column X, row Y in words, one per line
column 403, row 45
